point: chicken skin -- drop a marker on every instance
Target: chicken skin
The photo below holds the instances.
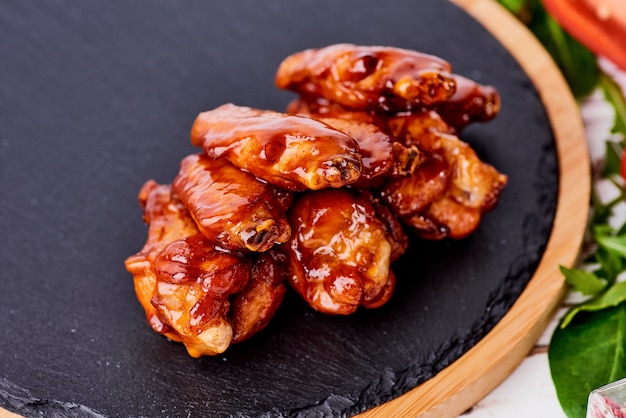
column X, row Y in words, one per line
column 185, row 284
column 368, row 77
column 292, row 152
column 471, row 102
column 339, row 254
column 254, row 306
column 381, row 157
column 451, row 189
column 231, row 207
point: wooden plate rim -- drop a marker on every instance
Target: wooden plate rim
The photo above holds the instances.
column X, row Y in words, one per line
column 481, row 369
column 461, row 385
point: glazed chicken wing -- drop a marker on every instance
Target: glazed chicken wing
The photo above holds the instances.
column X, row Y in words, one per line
column 339, row 253
column 193, row 292
column 292, row 152
column 169, row 221
column 368, row 77
column 451, row 188
column 231, row 207
column 176, row 269
column 471, row 102
column 254, row 306
column 381, row 157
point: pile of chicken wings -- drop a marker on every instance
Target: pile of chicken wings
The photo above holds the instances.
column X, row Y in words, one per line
column 319, row 198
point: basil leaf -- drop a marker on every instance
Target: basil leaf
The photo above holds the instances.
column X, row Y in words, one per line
column 615, row 295
column 583, row 281
column 586, row 355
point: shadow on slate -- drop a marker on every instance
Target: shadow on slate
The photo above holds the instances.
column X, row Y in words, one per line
column 97, row 97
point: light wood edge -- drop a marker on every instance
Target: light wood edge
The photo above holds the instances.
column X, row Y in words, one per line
column 482, row 368
column 470, row 378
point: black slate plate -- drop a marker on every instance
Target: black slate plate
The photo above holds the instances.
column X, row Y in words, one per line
column 97, row 97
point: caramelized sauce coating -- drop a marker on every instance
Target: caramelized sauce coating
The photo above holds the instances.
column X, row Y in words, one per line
column 381, row 157
column 194, row 282
column 368, row 77
column 339, row 253
column 292, row 152
column 168, row 221
column 451, row 189
column 471, row 102
column 194, row 292
column 231, row 207
column 254, row 306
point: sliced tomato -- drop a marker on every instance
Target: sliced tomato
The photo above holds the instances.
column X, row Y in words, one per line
column 623, row 166
column 598, row 24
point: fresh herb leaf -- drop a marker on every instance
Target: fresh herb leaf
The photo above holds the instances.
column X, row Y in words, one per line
column 616, row 244
column 613, row 94
column 611, row 265
column 614, row 296
column 586, row 355
column 583, row 281
column 514, row 6
column 613, row 159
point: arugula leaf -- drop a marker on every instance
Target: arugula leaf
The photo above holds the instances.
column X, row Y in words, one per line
column 586, row 355
column 616, row 244
column 583, row 281
column 613, row 158
column 613, row 94
column 614, row 296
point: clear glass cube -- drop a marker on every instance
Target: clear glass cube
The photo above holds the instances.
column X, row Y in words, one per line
column 608, row 401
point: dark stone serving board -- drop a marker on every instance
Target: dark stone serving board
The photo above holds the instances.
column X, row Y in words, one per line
column 96, row 97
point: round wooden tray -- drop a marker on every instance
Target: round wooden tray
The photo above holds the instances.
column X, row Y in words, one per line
column 448, row 393
column 482, row 368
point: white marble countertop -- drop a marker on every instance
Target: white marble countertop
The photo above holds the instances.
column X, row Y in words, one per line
column 529, row 391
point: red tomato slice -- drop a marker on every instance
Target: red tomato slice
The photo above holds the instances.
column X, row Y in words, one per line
column 598, row 24
column 623, row 166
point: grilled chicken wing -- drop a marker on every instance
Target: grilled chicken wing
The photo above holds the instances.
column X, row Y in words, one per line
column 368, row 77
column 339, row 253
column 185, row 284
column 231, row 207
column 292, row 152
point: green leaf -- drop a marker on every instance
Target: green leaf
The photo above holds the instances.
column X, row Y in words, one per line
column 613, row 159
column 576, row 62
column 586, row 355
column 611, row 265
column 616, row 244
column 615, row 295
column 514, row 6
column 614, row 95
column 583, row 281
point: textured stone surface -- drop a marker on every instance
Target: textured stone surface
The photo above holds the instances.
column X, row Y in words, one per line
column 97, row 97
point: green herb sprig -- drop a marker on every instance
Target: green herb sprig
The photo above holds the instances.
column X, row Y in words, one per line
column 588, row 348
